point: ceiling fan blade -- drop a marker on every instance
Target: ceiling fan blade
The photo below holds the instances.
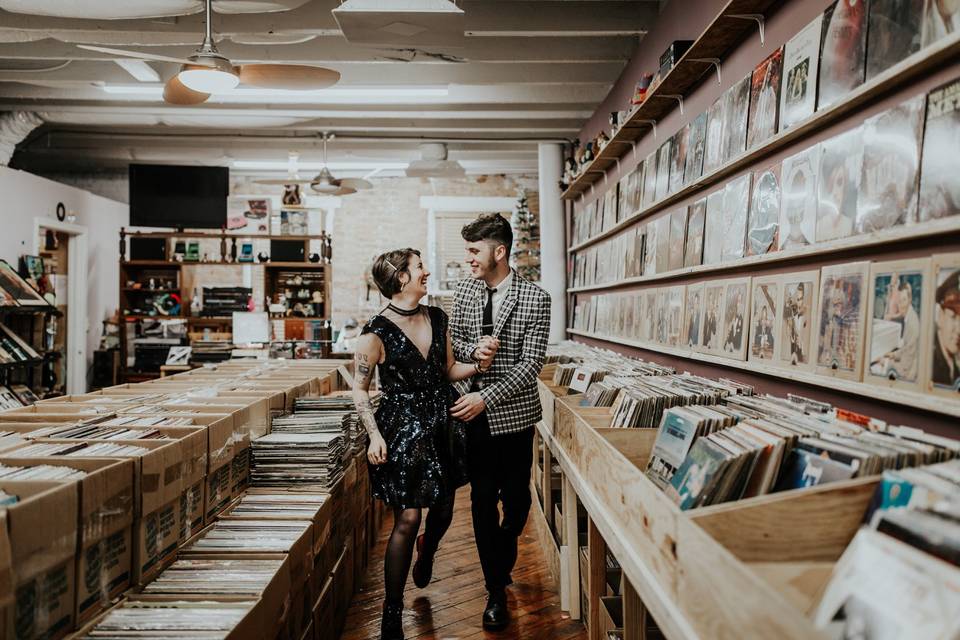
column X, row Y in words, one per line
column 357, row 184
column 282, row 182
column 290, row 77
column 143, row 56
column 343, row 191
column 175, row 92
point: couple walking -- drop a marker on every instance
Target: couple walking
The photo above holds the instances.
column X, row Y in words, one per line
column 428, row 437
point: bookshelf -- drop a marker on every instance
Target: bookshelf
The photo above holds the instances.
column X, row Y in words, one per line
column 175, row 279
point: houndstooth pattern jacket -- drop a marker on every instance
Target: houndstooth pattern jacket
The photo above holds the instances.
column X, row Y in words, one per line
column 509, row 387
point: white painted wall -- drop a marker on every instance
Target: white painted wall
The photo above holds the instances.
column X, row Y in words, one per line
column 24, row 197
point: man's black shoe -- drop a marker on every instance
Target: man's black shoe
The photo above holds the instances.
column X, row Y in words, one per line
column 496, row 616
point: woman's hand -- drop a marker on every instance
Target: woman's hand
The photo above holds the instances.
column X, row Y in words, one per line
column 377, row 451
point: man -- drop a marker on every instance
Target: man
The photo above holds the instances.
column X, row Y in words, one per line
column 945, row 372
column 497, row 311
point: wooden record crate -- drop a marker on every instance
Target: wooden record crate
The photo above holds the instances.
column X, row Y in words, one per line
column 750, row 568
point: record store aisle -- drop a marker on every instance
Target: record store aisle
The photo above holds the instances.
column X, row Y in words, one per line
column 450, row 608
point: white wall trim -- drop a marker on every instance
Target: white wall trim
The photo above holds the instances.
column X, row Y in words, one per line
column 77, row 321
column 468, row 203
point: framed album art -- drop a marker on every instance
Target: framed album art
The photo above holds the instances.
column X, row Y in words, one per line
column 841, row 320
column 764, row 318
column 898, row 328
column 798, row 298
column 736, row 308
column 711, row 327
column 943, row 365
column 692, row 316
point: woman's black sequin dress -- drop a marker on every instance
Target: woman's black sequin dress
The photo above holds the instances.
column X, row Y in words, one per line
column 425, row 446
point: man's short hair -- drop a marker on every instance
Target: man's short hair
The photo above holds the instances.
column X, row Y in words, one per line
column 492, row 227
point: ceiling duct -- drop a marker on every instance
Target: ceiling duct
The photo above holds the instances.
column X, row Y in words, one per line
column 404, row 23
column 433, row 163
column 14, row 127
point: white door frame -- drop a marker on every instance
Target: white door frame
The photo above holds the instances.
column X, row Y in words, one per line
column 77, row 326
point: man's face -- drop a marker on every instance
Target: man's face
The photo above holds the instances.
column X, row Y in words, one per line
column 481, row 256
column 948, row 326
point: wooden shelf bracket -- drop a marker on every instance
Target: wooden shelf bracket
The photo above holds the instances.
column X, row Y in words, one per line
column 756, row 17
column 652, row 123
column 672, row 96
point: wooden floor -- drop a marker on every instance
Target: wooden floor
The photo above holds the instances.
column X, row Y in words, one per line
column 452, row 605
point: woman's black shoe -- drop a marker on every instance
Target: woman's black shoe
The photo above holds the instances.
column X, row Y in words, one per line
column 391, row 625
column 423, row 567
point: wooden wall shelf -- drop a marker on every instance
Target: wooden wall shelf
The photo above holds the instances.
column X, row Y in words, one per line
column 820, row 249
column 899, row 396
column 923, row 62
column 720, row 37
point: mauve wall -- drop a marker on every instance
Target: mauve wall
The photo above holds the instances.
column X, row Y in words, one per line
column 686, row 19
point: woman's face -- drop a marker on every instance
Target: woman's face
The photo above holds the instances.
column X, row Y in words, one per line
column 417, row 273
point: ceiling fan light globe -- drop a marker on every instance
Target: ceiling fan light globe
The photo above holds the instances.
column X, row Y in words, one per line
column 216, row 79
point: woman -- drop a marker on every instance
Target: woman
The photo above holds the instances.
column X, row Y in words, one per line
column 414, row 454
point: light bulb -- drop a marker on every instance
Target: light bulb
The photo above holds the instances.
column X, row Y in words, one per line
column 209, row 80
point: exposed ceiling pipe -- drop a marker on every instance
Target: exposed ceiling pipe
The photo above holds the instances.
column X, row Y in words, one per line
column 14, row 127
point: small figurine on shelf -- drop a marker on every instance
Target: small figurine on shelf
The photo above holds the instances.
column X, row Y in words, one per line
column 602, row 141
column 195, row 306
column 587, row 154
column 643, row 86
column 262, row 257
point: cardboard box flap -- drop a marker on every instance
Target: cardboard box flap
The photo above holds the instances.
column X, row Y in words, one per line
column 42, row 525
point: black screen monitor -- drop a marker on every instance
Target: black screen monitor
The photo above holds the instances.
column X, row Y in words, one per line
column 178, row 196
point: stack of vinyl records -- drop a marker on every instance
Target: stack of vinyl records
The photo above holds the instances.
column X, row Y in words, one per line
column 96, row 432
column 754, row 446
column 279, row 505
column 250, row 536
column 214, row 576
column 313, row 461
column 223, row 301
column 180, row 619
column 643, row 402
column 332, row 406
column 11, row 439
column 210, row 351
column 79, row 450
column 43, row 472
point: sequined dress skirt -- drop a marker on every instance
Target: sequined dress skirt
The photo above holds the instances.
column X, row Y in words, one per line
column 426, row 457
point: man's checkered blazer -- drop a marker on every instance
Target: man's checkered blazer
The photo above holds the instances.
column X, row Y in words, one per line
column 509, row 388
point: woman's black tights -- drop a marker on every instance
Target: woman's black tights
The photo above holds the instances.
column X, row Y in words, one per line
column 399, row 554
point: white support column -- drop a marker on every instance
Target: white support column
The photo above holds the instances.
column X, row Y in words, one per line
column 553, row 263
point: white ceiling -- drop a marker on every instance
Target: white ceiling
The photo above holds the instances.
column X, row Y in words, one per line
column 529, row 70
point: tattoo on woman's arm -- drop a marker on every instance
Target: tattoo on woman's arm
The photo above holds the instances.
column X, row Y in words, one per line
column 365, row 411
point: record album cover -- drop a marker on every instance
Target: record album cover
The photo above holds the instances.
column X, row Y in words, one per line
column 630, row 187
column 840, row 166
column 692, row 316
column 650, row 249
column 764, row 317
column 737, row 112
column 678, row 158
column 939, row 178
column 765, row 99
column 693, row 253
column 662, row 225
column 891, row 158
column 660, row 317
column 798, row 206
column 675, row 299
column 894, row 33
column 735, row 308
column 801, row 59
column 696, row 139
column 898, row 302
column 941, row 18
column 798, row 297
column 713, row 231
column 649, row 180
column 713, row 149
column 843, row 47
column 663, row 169
column 736, row 206
column 678, row 236
column 944, row 363
column 841, row 315
column 763, row 224
column 712, row 325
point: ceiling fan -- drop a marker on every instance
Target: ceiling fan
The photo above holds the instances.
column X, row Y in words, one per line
column 324, row 182
column 208, row 71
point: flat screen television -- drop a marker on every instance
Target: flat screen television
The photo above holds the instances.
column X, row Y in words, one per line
column 178, row 196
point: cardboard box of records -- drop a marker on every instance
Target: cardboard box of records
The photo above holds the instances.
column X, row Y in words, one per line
column 41, row 528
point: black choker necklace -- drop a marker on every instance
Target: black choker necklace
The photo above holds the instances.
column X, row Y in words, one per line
column 403, row 312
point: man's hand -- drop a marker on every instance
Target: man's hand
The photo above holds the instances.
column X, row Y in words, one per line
column 485, row 351
column 468, row 407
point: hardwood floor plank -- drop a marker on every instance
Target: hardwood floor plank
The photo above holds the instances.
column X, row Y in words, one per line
column 450, row 608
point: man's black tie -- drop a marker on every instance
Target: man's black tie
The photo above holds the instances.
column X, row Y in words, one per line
column 487, row 327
